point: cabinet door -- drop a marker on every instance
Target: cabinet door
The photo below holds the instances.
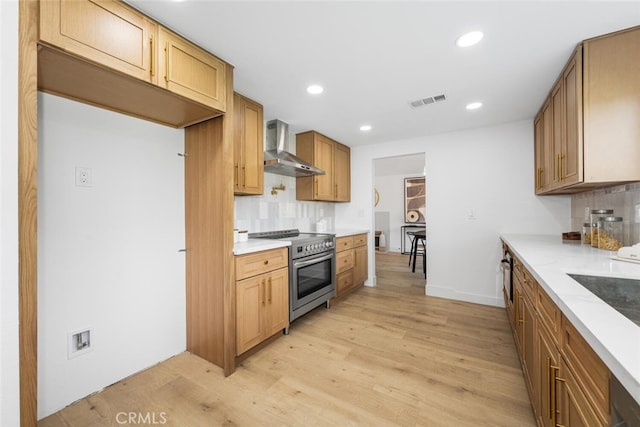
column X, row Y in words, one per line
column 574, row 409
column 248, row 146
column 572, row 144
column 190, row 71
column 547, row 363
column 540, row 164
column 611, row 103
column 106, row 32
column 360, row 265
column 557, row 132
column 276, row 315
column 342, row 173
column 589, row 371
column 529, row 348
column 250, row 303
column 323, row 159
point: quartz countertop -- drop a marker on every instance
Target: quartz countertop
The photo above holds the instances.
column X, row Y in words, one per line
column 342, row 232
column 257, row 245
column 612, row 336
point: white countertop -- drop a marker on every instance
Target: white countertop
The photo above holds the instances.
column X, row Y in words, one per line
column 257, row 245
column 342, row 232
column 612, row 336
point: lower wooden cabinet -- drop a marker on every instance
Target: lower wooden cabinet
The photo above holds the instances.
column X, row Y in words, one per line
column 567, row 382
column 262, row 299
column 351, row 263
column 548, row 361
column 574, row 407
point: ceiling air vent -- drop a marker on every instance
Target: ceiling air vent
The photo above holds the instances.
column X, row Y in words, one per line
column 426, row 101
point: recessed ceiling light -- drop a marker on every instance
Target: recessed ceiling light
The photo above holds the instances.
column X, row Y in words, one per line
column 469, row 39
column 365, row 128
column 473, row 106
column 315, row 89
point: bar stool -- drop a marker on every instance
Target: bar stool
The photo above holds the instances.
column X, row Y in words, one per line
column 419, row 237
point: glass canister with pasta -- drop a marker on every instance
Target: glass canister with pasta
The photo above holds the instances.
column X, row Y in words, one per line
column 610, row 233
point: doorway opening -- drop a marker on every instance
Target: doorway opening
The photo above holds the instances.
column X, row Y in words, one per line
column 399, row 211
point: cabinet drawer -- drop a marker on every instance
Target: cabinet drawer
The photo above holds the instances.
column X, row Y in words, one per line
column 590, row 372
column 260, row 262
column 549, row 314
column 360, row 240
column 344, row 243
column 344, row 282
column 344, row 261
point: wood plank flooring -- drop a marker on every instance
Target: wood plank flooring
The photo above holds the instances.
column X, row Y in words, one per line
column 384, row 356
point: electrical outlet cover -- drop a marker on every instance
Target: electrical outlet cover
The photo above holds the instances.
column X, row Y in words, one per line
column 84, row 177
column 80, row 342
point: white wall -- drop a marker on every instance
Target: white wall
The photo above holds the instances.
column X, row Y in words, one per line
column 487, row 171
column 9, row 368
column 107, row 255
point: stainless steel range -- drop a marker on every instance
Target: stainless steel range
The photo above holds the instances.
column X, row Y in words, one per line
column 312, row 268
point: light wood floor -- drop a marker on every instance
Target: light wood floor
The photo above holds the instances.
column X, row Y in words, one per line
column 385, row 356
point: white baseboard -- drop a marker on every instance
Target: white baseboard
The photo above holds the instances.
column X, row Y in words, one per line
column 436, row 291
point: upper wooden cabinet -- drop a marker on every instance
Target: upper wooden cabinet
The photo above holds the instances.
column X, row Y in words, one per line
column 106, row 32
column 332, row 157
column 248, row 146
column 586, row 133
column 189, row 71
column 108, row 54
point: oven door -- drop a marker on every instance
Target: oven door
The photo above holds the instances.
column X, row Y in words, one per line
column 312, row 278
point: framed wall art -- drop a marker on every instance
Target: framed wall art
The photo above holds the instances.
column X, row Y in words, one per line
column 415, row 200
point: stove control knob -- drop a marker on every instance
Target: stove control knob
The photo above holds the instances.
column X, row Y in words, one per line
column 306, row 248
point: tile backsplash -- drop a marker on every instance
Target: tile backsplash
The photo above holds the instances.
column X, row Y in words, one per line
column 623, row 199
column 280, row 211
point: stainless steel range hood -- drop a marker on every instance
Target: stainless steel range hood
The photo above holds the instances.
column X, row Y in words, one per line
column 277, row 158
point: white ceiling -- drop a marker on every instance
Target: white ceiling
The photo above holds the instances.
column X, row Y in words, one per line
column 374, row 58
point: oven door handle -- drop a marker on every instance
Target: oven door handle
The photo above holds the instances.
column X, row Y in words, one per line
column 301, row 264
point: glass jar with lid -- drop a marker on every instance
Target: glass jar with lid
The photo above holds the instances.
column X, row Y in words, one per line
column 596, row 215
column 610, row 233
column 586, row 233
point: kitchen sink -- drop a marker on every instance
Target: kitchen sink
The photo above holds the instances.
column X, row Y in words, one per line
column 621, row 294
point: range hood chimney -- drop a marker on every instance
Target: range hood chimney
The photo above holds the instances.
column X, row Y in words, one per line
column 277, row 158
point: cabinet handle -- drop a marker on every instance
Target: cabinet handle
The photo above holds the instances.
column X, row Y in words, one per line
column 549, row 411
column 519, row 302
column 561, row 160
column 244, row 175
column 335, row 193
column 264, row 291
column 559, row 168
column 166, row 61
column 554, row 419
column 316, row 181
column 266, row 261
column 270, row 289
column 152, row 69
column 237, row 178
